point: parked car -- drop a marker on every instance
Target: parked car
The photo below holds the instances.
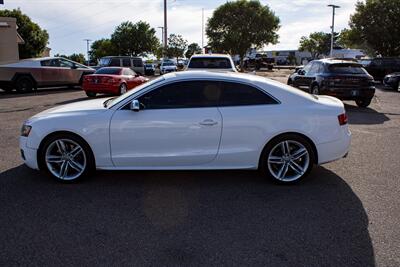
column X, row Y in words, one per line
column 343, row 79
column 392, row 80
column 29, row 74
column 149, row 69
column 380, row 67
column 167, row 66
column 191, row 120
column 260, row 60
column 135, row 63
column 211, row 62
column 111, row 80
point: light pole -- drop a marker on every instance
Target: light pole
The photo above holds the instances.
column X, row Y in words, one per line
column 333, row 26
column 162, row 34
column 165, row 25
column 202, row 29
column 87, row 50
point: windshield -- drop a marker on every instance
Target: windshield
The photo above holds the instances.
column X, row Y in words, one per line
column 113, row 101
column 210, row 63
column 347, row 69
column 104, row 61
column 111, row 71
column 168, row 64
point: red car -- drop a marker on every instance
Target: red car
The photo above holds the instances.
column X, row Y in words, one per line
column 111, row 80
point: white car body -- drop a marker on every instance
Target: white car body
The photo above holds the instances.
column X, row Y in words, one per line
column 168, row 66
column 193, row 138
column 230, row 67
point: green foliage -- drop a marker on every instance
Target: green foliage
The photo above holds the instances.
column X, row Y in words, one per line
column 134, row 39
column 375, row 25
column 176, row 46
column 192, row 49
column 317, row 43
column 35, row 38
column 237, row 26
column 102, row 48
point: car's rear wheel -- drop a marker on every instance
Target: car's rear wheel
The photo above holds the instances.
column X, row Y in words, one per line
column 24, row 84
column 122, row 89
column 66, row 158
column 363, row 102
column 91, row 94
column 287, row 159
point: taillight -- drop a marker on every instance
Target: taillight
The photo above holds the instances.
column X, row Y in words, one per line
column 342, row 119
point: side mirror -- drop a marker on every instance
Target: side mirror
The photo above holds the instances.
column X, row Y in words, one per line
column 135, row 105
column 300, row 72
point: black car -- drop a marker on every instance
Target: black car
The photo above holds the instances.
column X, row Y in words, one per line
column 392, row 80
column 149, row 69
column 346, row 80
column 380, row 67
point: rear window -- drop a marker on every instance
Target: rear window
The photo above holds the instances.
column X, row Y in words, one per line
column 346, row 69
column 210, row 63
column 104, row 61
column 111, row 71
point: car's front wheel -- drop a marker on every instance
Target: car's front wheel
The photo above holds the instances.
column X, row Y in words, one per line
column 363, row 102
column 122, row 89
column 66, row 158
column 287, row 159
column 315, row 89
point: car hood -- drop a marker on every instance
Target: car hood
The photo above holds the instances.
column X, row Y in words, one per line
column 78, row 108
column 211, row 70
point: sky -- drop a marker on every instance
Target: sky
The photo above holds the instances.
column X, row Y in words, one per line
column 69, row 22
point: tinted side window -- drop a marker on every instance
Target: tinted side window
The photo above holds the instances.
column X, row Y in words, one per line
column 126, row 62
column 194, row 94
column 137, row 62
column 314, row 68
column 115, row 62
column 237, row 94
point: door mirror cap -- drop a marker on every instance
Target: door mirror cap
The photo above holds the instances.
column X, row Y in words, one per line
column 135, row 105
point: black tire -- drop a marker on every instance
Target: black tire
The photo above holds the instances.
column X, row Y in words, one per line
column 91, row 94
column 89, row 167
column 363, row 102
column 123, row 88
column 314, row 89
column 24, row 84
column 290, row 82
column 275, row 143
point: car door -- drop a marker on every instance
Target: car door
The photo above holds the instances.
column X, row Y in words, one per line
column 50, row 72
column 69, row 72
column 178, row 125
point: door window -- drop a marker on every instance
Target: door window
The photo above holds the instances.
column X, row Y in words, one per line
column 193, row 94
column 126, row 62
column 115, row 62
column 66, row 63
column 313, row 69
column 137, row 62
column 237, row 94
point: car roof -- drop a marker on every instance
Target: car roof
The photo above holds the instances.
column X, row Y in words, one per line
column 211, row 55
column 338, row 61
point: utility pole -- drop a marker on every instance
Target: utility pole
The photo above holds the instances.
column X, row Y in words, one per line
column 333, row 26
column 87, row 50
column 162, row 34
column 202, row 30
column 165, row 25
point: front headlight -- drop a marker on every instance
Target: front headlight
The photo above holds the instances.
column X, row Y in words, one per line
column 25, row 130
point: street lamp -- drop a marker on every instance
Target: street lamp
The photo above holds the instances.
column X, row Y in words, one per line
column 87, row 50
column 333, row 26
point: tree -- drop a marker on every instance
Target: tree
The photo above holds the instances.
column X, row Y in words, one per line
column 102, row 48
column 317, row 43
column 375, row 25
column 176, row 46
column 35, row 37
column 193, row 48
column 237, row 26
column 134, row 39
column 80, row 58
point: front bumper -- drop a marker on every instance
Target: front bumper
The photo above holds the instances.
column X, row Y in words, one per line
column 349, row 93
column 28, row 155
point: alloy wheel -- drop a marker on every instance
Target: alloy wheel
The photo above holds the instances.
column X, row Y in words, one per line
column 122, row 89
column 65, row 159
column 288, row 161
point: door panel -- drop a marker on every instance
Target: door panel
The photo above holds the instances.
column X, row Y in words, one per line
column 165, row 137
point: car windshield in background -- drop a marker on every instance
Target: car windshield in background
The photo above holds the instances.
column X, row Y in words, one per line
column 346, row 69
column 210, row 63
column 168, row 64
column 111, row 71
column 104, row 61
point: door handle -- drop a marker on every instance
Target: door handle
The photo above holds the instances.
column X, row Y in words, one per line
column 208, row 122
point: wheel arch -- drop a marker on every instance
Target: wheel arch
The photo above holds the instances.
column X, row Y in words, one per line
column 308, row 139
column 50, row 135
column 17, row 75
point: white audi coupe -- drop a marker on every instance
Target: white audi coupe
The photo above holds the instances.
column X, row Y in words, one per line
column 191, row 121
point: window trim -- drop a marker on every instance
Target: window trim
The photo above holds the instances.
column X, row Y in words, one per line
column 123, row 106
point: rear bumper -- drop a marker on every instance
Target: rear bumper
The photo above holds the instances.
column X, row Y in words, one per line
column 335, row 150
column 28, row 155
column 349, row 93
column 101, row 88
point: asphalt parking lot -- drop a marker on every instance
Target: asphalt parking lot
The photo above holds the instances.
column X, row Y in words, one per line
column 346, row 213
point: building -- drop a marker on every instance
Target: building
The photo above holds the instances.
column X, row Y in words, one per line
column 9, row 40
